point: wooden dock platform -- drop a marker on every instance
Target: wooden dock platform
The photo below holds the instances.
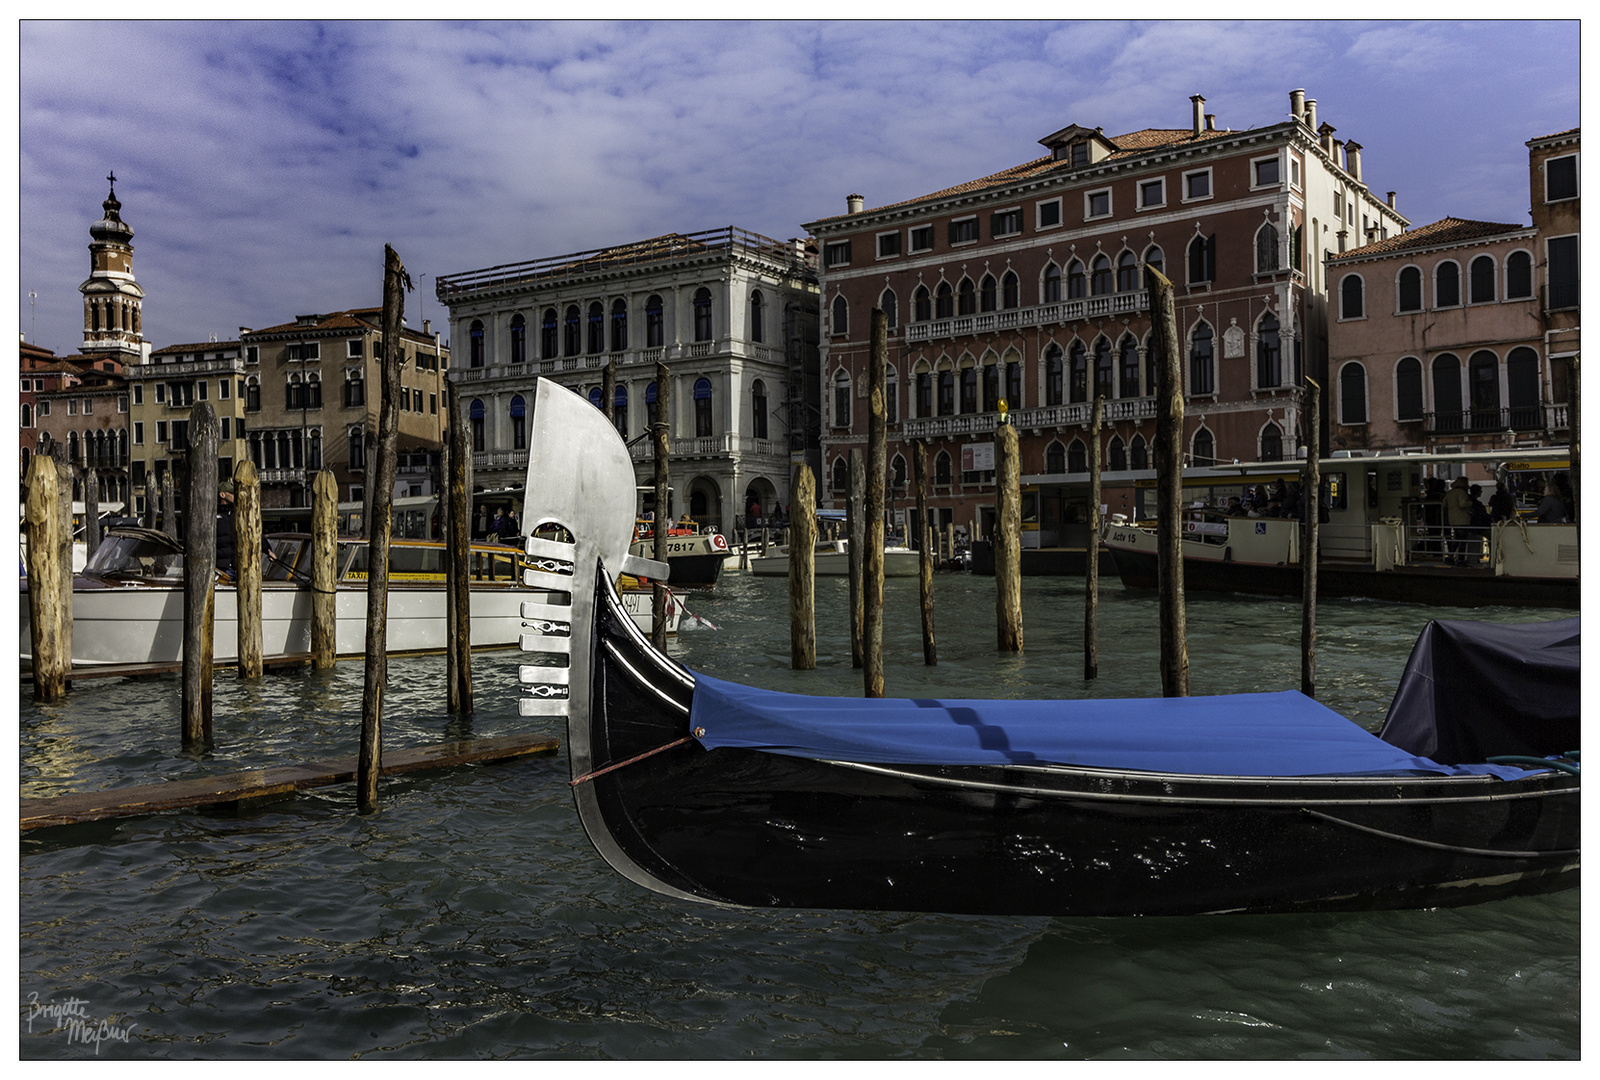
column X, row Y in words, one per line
column 137, row 671
column 257, row 783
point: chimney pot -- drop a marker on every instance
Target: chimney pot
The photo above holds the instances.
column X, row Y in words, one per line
column 1297, row 103
column 1211, row 121
column 1352, row 155
column 1311, row 113
column 1391, row 200
column 1199, row 103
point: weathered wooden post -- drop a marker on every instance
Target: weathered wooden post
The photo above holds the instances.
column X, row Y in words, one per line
column 458, row 558
column 1573, row 399
column 1311, row 500
column 247, row 563
column 91, row 512
column 662, row 438
column 324, row 583
column 1169, row 484
column 199, row 576
column 919, row 467
column 855, row 526
column 1008, row 539
column 169, row 505
column 1091, row 549
column 608, row 392
column 877, row 470
column 802, row 570
column 63, row 545
column 379, row 527
column 42, row 517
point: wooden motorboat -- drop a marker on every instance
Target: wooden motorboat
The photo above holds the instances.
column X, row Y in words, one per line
column 832, row 559
column 708, row 791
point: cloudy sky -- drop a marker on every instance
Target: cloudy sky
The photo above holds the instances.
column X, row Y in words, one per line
column 264, row 165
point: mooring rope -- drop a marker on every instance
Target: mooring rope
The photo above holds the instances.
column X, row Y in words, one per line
column 630, row 761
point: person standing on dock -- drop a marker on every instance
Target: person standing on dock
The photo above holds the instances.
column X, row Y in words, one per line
column 1458, row 516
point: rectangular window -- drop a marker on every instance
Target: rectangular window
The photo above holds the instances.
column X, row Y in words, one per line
column 224, row 389
column 1050, row 214
column 888, row 245
column 1097, row 204
column 1152, row 193
column 44, row 408
column 72, row 406
column 1005, row 223
column 433, row 404
column 227, row 428
column 1561, row 178
column 1080, row 154
column 355, row 347
column 252, row 355
column 1265, row 172
column 837, row 253
column 1294, row 172
column 122, row 403
column 964, row 231
column 200, row 389
column 138, row 433
column 922, row 238
column 1562, row 252
column 309, row 350
column 1197, row 185
column 161, row 393
column 161, row 431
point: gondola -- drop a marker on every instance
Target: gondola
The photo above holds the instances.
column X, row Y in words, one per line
column 707, row 791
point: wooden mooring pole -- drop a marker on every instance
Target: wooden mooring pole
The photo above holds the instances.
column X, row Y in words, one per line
column 458, row 556
column 91, row 512
column 169, row 505
column 854, row 513
column 199, row 576
column 247, row 561
column 1573, row 400
column 1169, row 484
column 873, row 511
column 63, row 545
column 919, row 470
column 1091, row 549
column 324, row 582
column 662, row 439
column 42, row 519
column 802, row 570
column 1007, row 539
column 370, row 762
column 1311, row 501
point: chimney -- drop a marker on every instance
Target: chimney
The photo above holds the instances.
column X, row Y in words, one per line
column 1391, row 200
column 1297, row 103
column 1211, row 121
column 855, row 203
column 1352, row 156
column 425, row 328
column 1199, row 104
column 1311, row 113
column 1325, row 133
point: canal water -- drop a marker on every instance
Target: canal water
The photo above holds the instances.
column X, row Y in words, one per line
column 471, row 918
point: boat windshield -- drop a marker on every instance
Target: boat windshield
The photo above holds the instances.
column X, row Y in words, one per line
column 135, row 557
column 282, row 553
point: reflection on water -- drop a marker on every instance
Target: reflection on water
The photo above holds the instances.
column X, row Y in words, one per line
column 471, row 918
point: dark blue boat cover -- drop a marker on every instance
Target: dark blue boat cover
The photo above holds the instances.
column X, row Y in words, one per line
column 1282, row 734
column 1476, row 690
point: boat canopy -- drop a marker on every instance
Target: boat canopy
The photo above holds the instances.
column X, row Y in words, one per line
column 1278, row 734
column 1475, row 690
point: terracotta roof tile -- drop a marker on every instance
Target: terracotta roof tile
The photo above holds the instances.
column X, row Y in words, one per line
column 1448, row 231
column 1554, row 135
column 198, row 346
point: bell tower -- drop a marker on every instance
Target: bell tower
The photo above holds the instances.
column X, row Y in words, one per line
column 113, row 321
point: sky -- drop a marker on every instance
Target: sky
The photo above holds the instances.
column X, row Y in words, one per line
column 264, row 165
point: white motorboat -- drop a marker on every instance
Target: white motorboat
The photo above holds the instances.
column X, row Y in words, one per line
column 832, row 559
column 127, row 605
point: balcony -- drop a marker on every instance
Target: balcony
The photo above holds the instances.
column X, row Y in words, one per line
column 282, row 476
column 627, row 358
column 499, row 459
column 164, row 371
column 1063, row 311
column 1049, row 416
column 712, row 446
column 1524, row 418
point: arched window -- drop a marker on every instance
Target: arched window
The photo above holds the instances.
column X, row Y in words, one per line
column 1127, row 272
column 944, row 304
column 652, row 409
column 941, row 469
column 1483, row 383
column 1077, row 283
column 1272, row 443
column 758, row 409
column 988, row 297
column 841, row 399
column 891, row 395
column 1409, row 290
column 475, row 418
column 947, row 392
column 1522, row 387
column 1352, row 394
column 597, row 328
column 1139, row 454
column 839, row 322
column 702, row 408
column 574, row 331
column 1077, row 373
column 1480, row 280
column 1052, row 375
column 1269, row 353
column 1077, row 457
column 1408, row 389
column 1100, row 276
column 922, row 304
column 1052, row 284
column 596, row 398
column 969, row 390
column 619, row 325
column 519, row 423
column 1155, row 259
column 654, row 323
column 1447, row 393
column 1202, row 448
column 758, row 323
column 475, row 344
column 1267, row 249
column 1447, row 285
column 1010, row 291
column 1014, row 383
column 924, row 392
column 1352, row 297
column 967, row 298
column 1519, row 275
column 27, row 414
column 1055, row 458
column 841, row 475
column 355, row 388
column 991, row 387
column 1103, row 386
column 549, row 335
column 1128, row 368
column 890, row 305
column 1116, row 455
column 1202, row 361
column 519, row 339
column 1202, row 259
column 897, row 473
column 702, row 317
column 619, row 410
